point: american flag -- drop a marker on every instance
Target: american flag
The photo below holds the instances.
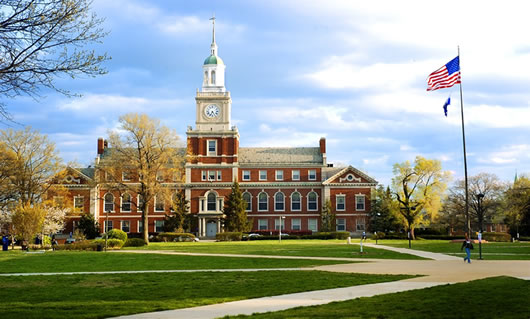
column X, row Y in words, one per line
column 445, row 77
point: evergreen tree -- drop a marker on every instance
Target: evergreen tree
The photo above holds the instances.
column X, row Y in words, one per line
column 327, row 218
column 88, row 225
column 235, row 215
column 383, row 217
column 178, row 222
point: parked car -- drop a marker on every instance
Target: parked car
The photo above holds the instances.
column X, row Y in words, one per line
column 70, row 240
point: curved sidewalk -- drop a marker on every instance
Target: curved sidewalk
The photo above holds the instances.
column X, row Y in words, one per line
column 420, row 253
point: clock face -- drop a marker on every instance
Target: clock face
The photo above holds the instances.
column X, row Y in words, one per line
column 211, row 111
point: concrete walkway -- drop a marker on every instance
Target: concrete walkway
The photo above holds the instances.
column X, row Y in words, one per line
column 441, row 269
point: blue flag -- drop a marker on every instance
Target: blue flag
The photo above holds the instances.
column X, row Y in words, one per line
column 446, row 104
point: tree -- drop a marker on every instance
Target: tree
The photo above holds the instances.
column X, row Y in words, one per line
column 235, row 219
column 384, row 209
column 88, row 225
column 178, row 222
column 327, row 218
column 419, row 190
column 54, row 220
column 41, row 40
column 144, row 147
column 517, row 206
column 485, row 186
column 28, row 220
column 28, row 165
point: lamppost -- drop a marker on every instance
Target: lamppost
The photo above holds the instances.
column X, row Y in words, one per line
column 480, row 197
column 375, row 222
column 280, row 218
column 106, row 229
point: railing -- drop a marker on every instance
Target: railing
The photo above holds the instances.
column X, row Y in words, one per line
column 204, row 94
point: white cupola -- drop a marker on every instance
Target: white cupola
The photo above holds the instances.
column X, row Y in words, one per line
column 213, row 68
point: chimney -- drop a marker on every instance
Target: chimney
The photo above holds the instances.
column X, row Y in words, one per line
column 101, row 146
column 323, row 150
column 323, row 145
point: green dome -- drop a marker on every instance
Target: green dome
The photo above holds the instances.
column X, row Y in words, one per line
column 213, row 59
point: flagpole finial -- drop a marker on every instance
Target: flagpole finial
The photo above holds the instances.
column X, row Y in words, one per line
column 213, row 27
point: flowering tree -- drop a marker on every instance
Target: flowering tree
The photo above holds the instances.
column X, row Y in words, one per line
column 54, row 220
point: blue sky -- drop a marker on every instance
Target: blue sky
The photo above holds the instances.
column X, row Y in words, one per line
column 351, row 71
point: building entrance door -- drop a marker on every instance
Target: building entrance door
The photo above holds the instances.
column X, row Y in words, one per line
column 211, row 228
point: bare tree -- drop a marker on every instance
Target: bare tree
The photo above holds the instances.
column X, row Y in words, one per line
column 149, row 153
column 43, row 39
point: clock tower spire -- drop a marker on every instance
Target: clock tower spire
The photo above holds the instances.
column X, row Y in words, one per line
column 213, row 68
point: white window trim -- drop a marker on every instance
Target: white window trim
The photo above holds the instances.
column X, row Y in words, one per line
column 217, row 199
column 124, row 178
column 204, row 175
column 357, row 223
column 292, row 175
column 316, row 209
column 279, row 210
column 316, row 224
column 364, row 202
column 158, row 210
column 309, row 175
column 263, row 179
column 208, row 152
column 211, row 176
column 276, row 173
column 267, row 208
column 243, row 176
column 282, row 224
column 248, row 210
column 113, row 203
column 299, row 224
column 83, row 207
column 337, row 202
column 337, row 226
column 266, row 223
column 291, row 200
column 138, row 226
column 161, row 226
column 219, row 175
column 138, row 207
column 121, row 203
column 121, row 225
column 105, row 226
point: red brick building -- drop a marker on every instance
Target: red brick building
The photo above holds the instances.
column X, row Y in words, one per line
column 287, row 185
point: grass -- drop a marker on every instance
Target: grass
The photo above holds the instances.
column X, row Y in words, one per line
column 101, row 296
column 490, row 251
column 310, row 248
column 500, row 297
column 72, row 261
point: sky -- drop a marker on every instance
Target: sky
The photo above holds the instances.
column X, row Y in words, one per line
column 353, row 72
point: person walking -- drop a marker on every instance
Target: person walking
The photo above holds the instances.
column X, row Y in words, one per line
column 468, row 246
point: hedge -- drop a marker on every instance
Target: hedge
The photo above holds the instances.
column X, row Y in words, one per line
column 441, row 237
column 134, row 242
column 111, row 243
column 165, row 237
column 379, row 235
column 496, row 236
column 80, row 245
column 234, row 236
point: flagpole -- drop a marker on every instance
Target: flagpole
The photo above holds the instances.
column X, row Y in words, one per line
column 468, row 221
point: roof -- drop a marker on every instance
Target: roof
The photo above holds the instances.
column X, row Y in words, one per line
column 87, row 171
column 283, row 155
column 332, row 175
column 213, row 59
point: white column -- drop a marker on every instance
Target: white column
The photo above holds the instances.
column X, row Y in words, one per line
column 203, row 227
column 218, row 225
column 200, row 227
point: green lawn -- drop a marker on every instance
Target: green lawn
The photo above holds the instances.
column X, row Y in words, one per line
column 71, row 261
column 101, row 296
column 500, row 297
column 311, row 248
column 490, row 251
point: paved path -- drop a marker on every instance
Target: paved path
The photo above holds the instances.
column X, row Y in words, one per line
column 441, row 269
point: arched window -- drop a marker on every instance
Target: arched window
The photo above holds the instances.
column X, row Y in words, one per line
column 125, row 202
column 213, row 78
column 312, row 201
column 205, row 77
column 109, row 202
column 263, row 201
column 296, row 201
column 248, row 199
column 279, row 201
column 211, row 205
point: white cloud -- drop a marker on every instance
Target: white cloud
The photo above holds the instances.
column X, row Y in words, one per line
column 111, row 104
column 510, row 154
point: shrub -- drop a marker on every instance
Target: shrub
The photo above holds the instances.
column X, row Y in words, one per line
column 117, row 234
column 229, row 236
column 442, row 237
column 524, row 238
column 496, row 236
column 379, row 235
column 165, row 237
column 82, row 245
column 111, row 243
column 134, row 242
